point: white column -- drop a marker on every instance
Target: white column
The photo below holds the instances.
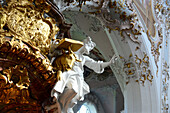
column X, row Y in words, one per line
column 141, row 99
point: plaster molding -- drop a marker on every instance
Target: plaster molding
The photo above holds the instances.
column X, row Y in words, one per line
column 160, row 12
column 165, row 87
column 126, row 21
column 137, row 69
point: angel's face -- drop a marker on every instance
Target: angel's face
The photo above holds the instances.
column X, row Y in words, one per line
column 88, row 45
column 88, row 48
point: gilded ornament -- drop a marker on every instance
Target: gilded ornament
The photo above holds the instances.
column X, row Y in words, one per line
column 18, row 75
column 142, row 78
column 28, row 24
column 3, row 17
column 150, row 77
column 165, row 88
column 129, row 68
column 138, row 69
column 4, row 80
column 17, row 78
column 138, row 60
column 146, row 59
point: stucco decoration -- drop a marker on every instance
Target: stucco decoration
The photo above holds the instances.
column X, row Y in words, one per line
column 95, row 25
column 115, row 15
column 138, row 69
column 144, row 67
column 120, row 15
column 161, row 10
column 160, row 13
column 165, row 87
column 130, row 69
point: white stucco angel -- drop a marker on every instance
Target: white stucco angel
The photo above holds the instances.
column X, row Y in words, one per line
column 72, row 87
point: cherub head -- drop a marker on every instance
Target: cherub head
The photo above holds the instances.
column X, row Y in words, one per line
column 88, row 45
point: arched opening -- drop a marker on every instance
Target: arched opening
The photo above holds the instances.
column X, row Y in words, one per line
column 87, row 107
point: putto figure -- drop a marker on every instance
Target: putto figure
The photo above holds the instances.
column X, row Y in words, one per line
column 72, row 87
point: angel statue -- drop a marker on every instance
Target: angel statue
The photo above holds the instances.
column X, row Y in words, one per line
column 72, row 87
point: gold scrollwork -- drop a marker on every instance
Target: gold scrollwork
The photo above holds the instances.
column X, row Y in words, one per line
column 129, row 68
column 4, row 80
column 138, row 60
column 146, row 59
column 145, row 71
column 28, row 24
column 139, row 70
column 142, row 78
column 25, row 36
column 18, row 75
column 19, row 52
column 149, row 76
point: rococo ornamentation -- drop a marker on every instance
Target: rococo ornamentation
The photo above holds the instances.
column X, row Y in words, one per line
column 26, row 73
column 126, row 21
column 33, row 59
column 25, row 22
column 165, row 88
column 139, row 71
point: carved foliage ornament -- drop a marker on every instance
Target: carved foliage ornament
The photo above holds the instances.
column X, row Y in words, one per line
column 26, row 73
column 138, row 69
column 127, row 24
column 18, row 52
column 145, row 72
column 165, row 88
column 129, row 68
column 27, row 23
column 124, row 20
column 161, row 11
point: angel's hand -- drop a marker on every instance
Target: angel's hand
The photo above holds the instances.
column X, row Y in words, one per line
column 114, row 58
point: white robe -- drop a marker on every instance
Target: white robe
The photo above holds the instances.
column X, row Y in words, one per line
column 74, row 78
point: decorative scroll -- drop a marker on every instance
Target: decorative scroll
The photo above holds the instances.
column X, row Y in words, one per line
column 165, row 88
column 26, row 74
column 143, row 65
column 129, row 68
column 125, row 21
column 27, row 33
column 25, row 77
column 161, row 11
column 139, row 71
column 127, row 24
column 22, row 20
